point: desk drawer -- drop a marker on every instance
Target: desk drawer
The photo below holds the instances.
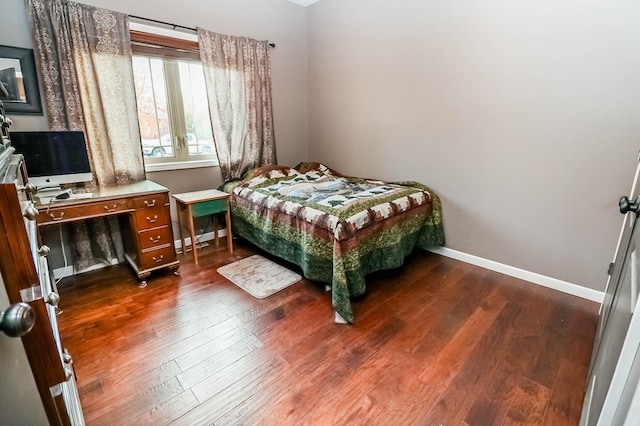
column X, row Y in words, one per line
column 158, row 257
column 150, row 201
column 81, row 211
column 152, row 218
column 155, row 237
column 204, row 208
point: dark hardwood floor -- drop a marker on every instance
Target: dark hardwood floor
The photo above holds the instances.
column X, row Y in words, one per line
column 436, row 342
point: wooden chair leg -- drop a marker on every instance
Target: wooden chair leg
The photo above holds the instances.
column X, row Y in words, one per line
column 181, row 209
column 215, row 229
column 193, row 236
column 229, row 236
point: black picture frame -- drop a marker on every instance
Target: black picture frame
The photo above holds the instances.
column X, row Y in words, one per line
column 32, row 104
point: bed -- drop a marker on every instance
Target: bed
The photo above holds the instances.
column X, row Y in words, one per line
column 336, row 228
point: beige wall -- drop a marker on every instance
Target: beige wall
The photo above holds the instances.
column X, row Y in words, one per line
column 523, row 116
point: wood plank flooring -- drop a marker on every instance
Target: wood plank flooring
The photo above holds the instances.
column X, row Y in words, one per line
column 436, row 342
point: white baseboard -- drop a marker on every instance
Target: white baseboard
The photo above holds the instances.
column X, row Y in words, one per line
column 543, row 280
column 208, row 236
column 59, row 273
column 67, row 271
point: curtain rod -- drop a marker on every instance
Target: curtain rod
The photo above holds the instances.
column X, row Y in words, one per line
column 169, row 24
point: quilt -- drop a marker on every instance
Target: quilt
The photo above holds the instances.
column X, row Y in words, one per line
column 336, row 228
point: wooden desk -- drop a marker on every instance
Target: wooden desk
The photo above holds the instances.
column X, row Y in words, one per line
column 145, row 219
column 202, row 203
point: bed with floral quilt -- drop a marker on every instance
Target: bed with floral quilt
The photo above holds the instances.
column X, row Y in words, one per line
column 336, row 228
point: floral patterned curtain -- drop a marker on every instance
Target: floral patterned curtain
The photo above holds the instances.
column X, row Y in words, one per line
column 84, row 58
column 238, row 78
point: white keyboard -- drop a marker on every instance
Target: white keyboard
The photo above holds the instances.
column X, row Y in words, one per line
column 80, row 195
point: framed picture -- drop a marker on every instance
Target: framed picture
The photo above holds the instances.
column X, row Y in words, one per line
column 19, row 89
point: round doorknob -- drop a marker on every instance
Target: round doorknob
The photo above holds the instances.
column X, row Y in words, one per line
column 31, row 212
column 17, row 320
column 53, row 299
column 627, row 205
column 30, row 189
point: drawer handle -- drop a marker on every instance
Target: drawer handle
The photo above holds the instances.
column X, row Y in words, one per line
column 158, row 260
column 53, row 216
column 155, row 218
column 155, row 240
column 150, row 204
column 112, row 209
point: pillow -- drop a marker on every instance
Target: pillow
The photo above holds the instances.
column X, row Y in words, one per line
column 313, row 166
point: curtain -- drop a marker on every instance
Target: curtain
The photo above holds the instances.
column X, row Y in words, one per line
column 238, row 80
column 84, row 57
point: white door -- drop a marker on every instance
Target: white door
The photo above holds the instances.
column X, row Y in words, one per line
column 614, row 371
column 19, row 398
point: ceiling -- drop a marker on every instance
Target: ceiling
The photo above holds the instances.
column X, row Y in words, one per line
column 304, row 2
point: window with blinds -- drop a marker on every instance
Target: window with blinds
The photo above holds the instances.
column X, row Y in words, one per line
column 173, row 110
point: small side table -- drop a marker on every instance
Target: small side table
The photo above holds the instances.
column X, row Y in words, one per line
column 202, row 203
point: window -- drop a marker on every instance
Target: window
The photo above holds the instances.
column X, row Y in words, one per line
column 173, row 110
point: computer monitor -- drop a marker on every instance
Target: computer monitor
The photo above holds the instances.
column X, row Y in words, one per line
column 53, row 158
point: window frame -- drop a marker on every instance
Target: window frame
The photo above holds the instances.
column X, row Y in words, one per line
column 171, row 46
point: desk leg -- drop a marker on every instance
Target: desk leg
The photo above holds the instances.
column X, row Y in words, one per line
column 175, row 270
column 229, row 236
column 143, row 279
column 193, row 235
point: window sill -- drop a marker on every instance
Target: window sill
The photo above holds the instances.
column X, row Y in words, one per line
column 161, row 167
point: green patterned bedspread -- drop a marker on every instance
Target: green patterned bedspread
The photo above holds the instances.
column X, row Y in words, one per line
column 336, row 228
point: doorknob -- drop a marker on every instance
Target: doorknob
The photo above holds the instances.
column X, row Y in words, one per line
column 30, row 189
column 17, row 320
column 629, row 206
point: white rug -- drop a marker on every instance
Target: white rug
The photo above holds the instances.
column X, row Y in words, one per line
column 258, row 276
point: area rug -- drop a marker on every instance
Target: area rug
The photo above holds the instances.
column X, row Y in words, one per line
column 259, row 276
